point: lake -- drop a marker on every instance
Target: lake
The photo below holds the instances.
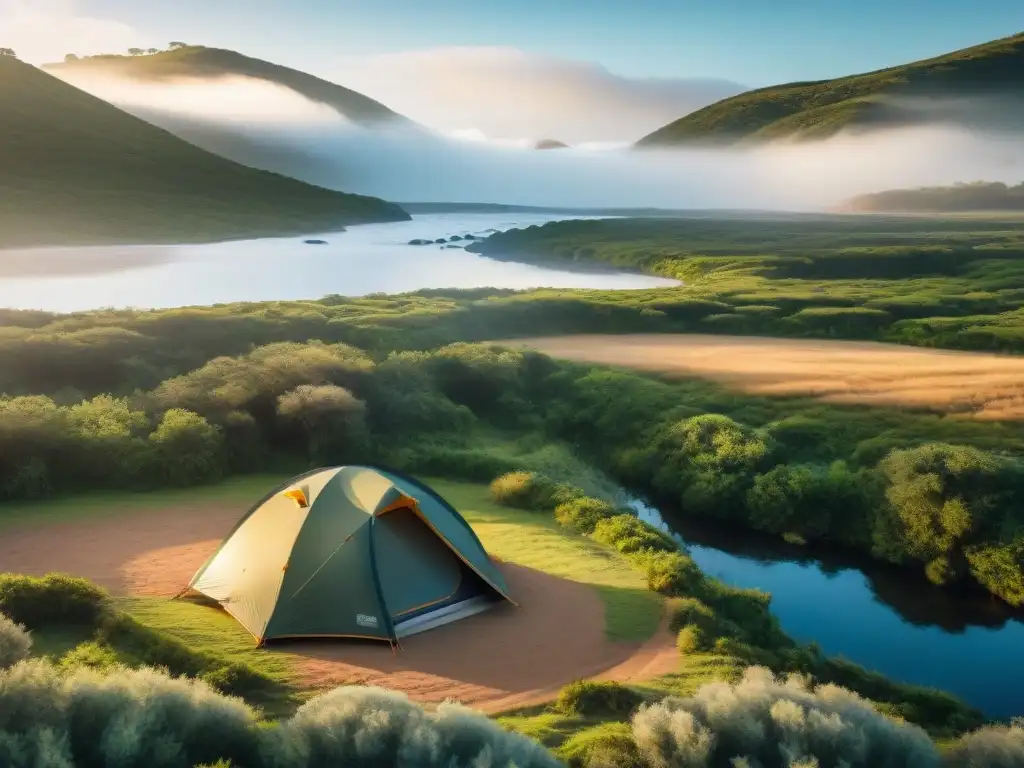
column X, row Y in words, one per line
column 369, row 258
column 880, row 617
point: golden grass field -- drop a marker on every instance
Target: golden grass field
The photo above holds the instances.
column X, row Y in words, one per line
column 985, row 386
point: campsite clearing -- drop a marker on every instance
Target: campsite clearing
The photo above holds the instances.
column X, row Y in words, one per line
column 584, row 611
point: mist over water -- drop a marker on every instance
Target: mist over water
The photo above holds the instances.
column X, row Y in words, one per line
column 273, row 127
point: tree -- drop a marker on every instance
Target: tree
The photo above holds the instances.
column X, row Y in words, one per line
column 71, row 57
column 151, row 51
column 333, row 419
column 176, row 45
column 188, row 448
column 135, row 51
column 9, row 52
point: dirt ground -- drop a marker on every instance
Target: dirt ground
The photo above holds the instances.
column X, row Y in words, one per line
column 983, row 385
column 503, row 658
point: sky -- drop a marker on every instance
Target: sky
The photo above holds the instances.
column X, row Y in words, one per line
column 530, row 69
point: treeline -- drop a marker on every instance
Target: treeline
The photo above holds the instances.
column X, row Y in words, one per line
column 929, row 493
column 959, row 198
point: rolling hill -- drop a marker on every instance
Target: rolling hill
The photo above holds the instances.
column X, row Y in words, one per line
column 209, row 63
column 981, row 87
column 976, row 197
column 77, row 170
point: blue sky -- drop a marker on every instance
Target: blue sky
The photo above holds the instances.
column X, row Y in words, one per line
column 754, row 42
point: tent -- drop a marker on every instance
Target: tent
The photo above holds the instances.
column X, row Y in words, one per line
column 351, row 551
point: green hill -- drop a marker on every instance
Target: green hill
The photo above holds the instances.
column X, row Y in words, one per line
column 990, row 76
column 202, row 62
column 976, row 197
column 77, row 170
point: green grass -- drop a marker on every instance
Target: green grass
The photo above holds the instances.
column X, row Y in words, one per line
column 80, row 171
column 816, row 110
column 532, row 539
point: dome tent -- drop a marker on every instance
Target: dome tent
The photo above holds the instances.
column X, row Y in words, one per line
column 352, row 551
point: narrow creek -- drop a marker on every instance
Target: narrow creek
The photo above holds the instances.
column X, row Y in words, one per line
column 880, row 617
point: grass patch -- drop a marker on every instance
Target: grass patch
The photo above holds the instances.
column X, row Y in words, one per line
column 632, row 612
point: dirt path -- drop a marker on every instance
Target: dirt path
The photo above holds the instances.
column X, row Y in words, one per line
column 983, row 385
column 504, row 658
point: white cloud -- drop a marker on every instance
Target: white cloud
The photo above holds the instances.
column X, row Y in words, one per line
column 45, row 30
column 507, row 93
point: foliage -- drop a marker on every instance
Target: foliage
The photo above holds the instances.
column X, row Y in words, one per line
column 590, row 698
column 989, row 747
column 529, row 490
column 773, row 723
column 975, row 196
column 15, row 642
column 37, row 601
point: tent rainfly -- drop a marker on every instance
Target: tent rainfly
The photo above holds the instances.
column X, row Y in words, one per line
column 353, row 552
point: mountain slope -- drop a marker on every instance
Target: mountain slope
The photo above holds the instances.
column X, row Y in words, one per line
column 976, row 197
column 208, row 63
column 78, row 170
column 980, row 87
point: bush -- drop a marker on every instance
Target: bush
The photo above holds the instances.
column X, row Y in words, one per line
column 530, row 490
column 990, row 747
column 371, row 727
column 52, row 599
column 15, row 642
column 670, row 573
column 776, row 724
column 691, row 639
column 628, row 534
column 583, row 514
column 609, row 745
column 589, row 698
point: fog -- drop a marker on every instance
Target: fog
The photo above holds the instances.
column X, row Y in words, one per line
column 272, row 127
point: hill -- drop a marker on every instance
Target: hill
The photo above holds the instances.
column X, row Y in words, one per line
column 208, row 63
column 978, row 87
column 77, row 170
column 976, row 197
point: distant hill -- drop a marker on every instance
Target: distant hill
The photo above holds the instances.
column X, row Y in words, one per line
column 550, row 144
column 976, row 197
column 77, row 170
column 979, row 87
column 201, row 62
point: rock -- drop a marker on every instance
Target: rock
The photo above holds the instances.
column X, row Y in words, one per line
column 470, row 237
column 419, row 241
column 457, row 247
column 453, row 238
column 550, row 144
column 315, row 242
column 440, row 240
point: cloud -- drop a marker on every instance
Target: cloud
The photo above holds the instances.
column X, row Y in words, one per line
column 46, row 30
column 507, row 93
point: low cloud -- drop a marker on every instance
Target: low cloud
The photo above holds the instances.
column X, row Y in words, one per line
column 510, row 94
column 43, row 31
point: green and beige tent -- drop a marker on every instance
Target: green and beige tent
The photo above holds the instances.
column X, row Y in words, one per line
column 351, row 551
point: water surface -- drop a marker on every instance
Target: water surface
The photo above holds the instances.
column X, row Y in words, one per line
column 370, row 258
column 880, row 617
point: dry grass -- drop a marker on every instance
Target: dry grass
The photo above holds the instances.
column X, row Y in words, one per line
column 983, row 385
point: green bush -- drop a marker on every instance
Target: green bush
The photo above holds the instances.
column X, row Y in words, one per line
column 776, row 724
column 628, row 534
column 691, row 639
column 590, row 698
column 530, row 490
column 15, row 643
column 583, row 514
column 55, row 598
column 609, row 745
column 670, row 573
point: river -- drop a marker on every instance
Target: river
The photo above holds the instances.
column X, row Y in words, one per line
column 365, row 259
column 880, row 617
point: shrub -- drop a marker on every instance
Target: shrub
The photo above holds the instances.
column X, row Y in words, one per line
column 670, row 573
column 52, row 599
column 691, row 639
column 990, row 747
column 689, row 611
column 15, row 642
column 530, row 490
column 583, row 514
column 589, row 698
column 776, row 724
column 629, row 534
column 356, row 727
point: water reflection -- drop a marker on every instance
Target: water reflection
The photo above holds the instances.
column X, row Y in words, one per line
column 881, row 617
